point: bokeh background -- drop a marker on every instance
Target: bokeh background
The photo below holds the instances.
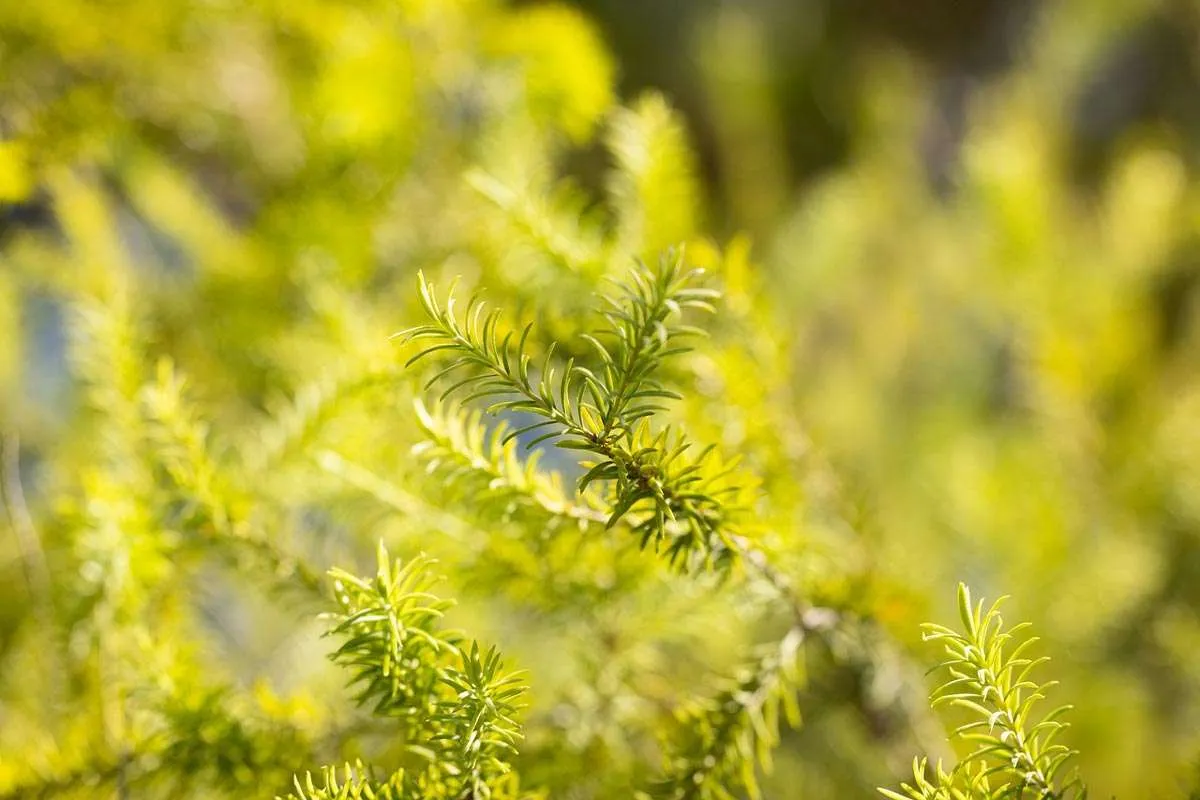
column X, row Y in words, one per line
column 974, row 229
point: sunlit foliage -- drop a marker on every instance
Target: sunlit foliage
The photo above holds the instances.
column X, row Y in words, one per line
column 774, row 456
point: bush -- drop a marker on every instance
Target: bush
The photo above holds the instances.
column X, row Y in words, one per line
column 691, row 500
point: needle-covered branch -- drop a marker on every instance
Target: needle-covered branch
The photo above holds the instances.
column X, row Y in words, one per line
column 723, row 740
column 453, row 703
column 1014, row 754
column 672, row 494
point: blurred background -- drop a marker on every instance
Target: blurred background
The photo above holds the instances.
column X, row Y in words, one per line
column 974, row 228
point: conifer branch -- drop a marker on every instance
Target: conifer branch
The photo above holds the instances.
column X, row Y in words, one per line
column 397, row 498
column 674, row 497
column 296, row 422
column 454, row 704
column 479, row 727
column 355, row 782
column 1014, row 754
column 723, row 740
column 108, row 359
column 551, row 227
column 657, row 487
column 653, row 186
column 460, row 447
column 193, row 738
column 935, row 783
column 66, row 781
column 393, row 642
column 182, row 443
column 645, row 331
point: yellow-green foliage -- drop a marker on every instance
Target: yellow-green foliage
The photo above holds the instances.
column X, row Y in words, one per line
column 212, row 220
